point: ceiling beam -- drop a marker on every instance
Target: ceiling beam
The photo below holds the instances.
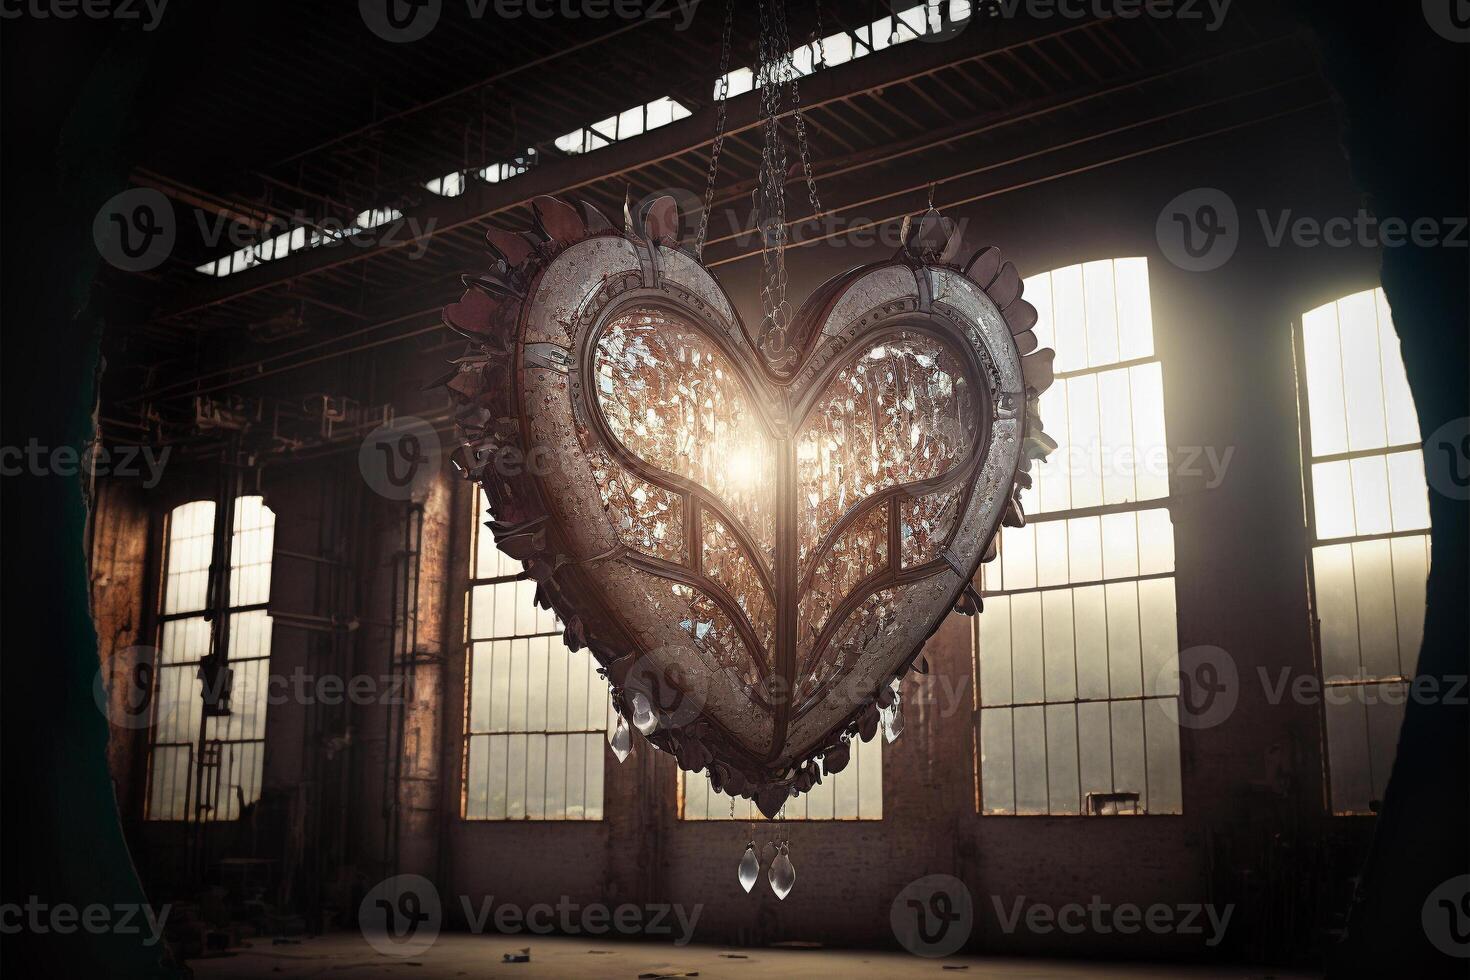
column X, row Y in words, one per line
column 868, row 75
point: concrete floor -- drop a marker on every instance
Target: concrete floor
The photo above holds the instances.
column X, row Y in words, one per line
column 569, row 958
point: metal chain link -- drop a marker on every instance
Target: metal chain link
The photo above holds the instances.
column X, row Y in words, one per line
column 820, row 34
column 777, row 70
column 770, row 192
column 801, row 140
column 721, row 113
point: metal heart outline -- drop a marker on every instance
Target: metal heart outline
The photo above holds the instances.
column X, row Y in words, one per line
column 988, row 315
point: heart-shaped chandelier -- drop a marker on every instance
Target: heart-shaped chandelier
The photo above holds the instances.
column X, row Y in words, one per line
column 753, row 554
column 753, row 532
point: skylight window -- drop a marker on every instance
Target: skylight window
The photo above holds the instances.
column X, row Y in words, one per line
column 844, row 46
column 629, row 123
column 456, row 183
column 284, row 244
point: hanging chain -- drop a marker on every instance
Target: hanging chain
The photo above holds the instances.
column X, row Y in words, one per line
column 770, row 192
column 721, row 113
column 777, row 71
column 821, row 49
column 801, row 142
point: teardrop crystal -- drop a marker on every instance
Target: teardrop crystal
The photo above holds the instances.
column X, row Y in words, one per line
column 750, row 867
column 892, row 722
column 643, row 716
column 621, row 738
column 782, row 875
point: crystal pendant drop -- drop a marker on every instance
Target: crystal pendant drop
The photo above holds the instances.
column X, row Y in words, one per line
column 782, row 875
column 892, row 723
column 643, row 717
column 621, row 739
column 750, row 867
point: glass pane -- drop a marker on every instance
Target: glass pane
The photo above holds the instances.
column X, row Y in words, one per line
column 1061, row 758
column 997, row 763
column 1135, row 316
column 1407, row 490
column 1150, row 443
column 1095, row 748
column 1377, row 619
column 995, row 651
column 1026, row 648
column 1129, row 768
column 1084, row 542
column 1357, row 319
column 1324, row 381
column 1332, row 500
column 190, row 540
column 250, row 552
column 1161, row 733
column 1119, row 463
column 1057, row 644
column 1101, row 311
column 1403, row 422
column 1029, row 732
column 1370, row 495
column 1159, row 626
column 1089, row 611
column 1410, row 572
column 1337, row 610
column 1125, row 666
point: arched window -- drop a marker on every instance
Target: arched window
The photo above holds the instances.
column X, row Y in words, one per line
column 536, row 714
column 208, row 744
column 1076, row 651
column 1367, row 520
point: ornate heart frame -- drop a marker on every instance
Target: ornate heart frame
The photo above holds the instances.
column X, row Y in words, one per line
column 659, row 572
